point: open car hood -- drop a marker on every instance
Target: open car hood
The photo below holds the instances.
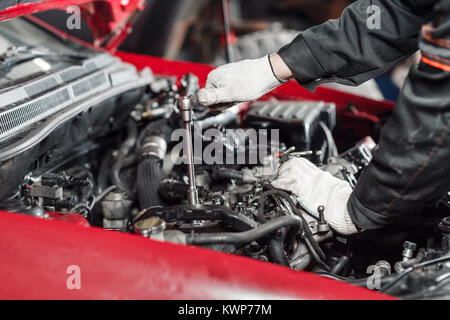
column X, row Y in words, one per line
column 109, row 20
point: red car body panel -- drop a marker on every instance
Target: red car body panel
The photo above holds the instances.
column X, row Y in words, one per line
column 36, row 253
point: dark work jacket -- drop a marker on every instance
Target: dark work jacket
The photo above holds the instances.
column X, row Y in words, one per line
column 411, row 163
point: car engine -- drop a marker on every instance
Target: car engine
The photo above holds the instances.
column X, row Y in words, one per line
column 132, row 152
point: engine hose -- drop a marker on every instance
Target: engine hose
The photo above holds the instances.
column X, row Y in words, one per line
column 117, row 167
column 276, row 251
column 151, row 148
column 245, row 237
column 123, row 160
column 226, row 174
column 103, row 172
column 149, row 175
column 131, row 139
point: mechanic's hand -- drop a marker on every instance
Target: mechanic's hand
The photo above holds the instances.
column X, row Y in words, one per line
column 238, row 82
column 314, row 188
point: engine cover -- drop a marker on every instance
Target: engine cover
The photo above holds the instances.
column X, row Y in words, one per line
column 298, row 121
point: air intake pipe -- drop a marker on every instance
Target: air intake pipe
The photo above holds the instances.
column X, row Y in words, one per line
column 151, row 148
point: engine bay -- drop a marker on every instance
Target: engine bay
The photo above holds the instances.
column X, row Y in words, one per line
column 131, row 152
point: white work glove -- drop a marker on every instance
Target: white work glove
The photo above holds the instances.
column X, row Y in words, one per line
column 315, row 187
column 238, row 82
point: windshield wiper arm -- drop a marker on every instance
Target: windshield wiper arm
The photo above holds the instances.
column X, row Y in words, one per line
column 12, row 55
column 16, row 55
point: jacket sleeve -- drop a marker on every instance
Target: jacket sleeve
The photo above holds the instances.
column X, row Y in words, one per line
column 410, row 166
column 358, row 46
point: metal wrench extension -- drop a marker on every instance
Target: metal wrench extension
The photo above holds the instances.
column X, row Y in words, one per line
column 186, row 106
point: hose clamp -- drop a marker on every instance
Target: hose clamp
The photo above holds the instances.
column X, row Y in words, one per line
column 154, row 146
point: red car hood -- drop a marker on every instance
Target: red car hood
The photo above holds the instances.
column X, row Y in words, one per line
column 107, row 19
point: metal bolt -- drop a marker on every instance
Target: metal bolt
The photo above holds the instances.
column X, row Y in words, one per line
column 409, row 245
column 320, row 210
column 322, row 225
column 408, row 250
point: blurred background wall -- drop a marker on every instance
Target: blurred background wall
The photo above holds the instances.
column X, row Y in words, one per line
column 192, row 30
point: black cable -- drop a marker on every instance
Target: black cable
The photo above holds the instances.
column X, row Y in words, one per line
column 331, row 276
column 316, row 257
column 103, row 194
column 361, row 282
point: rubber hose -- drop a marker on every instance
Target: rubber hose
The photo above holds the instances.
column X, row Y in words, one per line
column 276, row 251
column 103, row 173
column 131, row 139
column 118, row 165
column 122, row 159
column 239, row 238
column 149, row 175
column 226, row 174
column 315, row 255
